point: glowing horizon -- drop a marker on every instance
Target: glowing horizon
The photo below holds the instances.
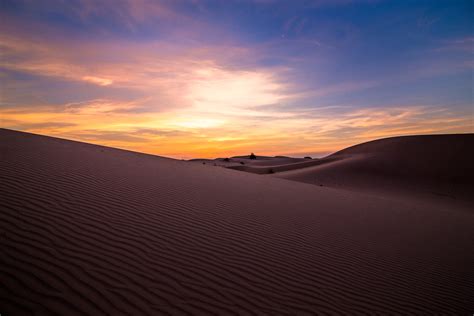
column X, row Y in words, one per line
column 200, row 80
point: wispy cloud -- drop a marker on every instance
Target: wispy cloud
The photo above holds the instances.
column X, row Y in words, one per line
column 167, row 75
column 461, row 44
column 101, row 106
column 98, row 80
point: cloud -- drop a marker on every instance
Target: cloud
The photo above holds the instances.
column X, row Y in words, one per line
column 465, row 44
column 161, row 132
column 122, row 14
column 338, row 88
column 318, row 3
column 108, row 136
column 167, row 75
column 18, row 124
column 98, row 80
column 219, row 90
column 102, row 106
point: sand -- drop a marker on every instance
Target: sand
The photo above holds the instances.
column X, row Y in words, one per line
column 261, row 164
column 427, row 166
column 87, row 229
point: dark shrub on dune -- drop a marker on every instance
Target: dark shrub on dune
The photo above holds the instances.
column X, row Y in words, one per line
column 308, row 157
column 242, row 163
column 226, row 159
column 271, row 170
column 252, row 156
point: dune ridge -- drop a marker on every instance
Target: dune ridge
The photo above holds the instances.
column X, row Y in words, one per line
column 87, row 229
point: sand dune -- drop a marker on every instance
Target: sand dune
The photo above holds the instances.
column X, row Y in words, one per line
column 280, row 166
column 439, row 165
column 87, row 229
column 262, row 164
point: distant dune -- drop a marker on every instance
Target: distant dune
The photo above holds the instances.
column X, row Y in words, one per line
column 262, row 164
column 92, row 230
column 422, row 165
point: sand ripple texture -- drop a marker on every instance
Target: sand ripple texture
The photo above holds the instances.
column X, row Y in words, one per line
column 91, row 230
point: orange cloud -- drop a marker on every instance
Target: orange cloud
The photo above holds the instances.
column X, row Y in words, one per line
column 171, row 134
column 98, row 80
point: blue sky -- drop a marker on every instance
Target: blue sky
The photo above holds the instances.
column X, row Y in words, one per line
column 208, row 78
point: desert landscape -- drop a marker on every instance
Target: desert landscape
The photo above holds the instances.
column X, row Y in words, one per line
column 384, row 227
column 236, row 157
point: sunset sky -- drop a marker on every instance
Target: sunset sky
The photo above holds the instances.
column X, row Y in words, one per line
column 198, row 78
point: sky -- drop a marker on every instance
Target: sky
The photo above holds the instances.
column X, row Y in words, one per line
column 189, row 79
